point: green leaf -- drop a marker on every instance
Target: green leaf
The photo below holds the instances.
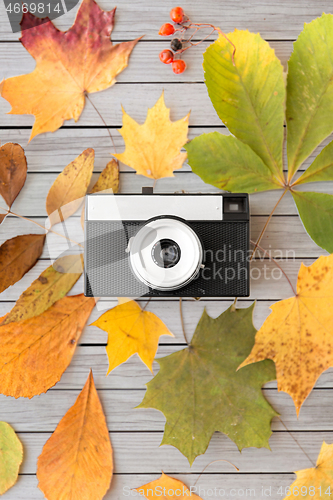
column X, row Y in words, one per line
column 46, row 290
column 316, row 212
column 249, row 96
column 199, row 390
column 321, row 169
column 229, row 164
column 11, row 456
column 310, row 91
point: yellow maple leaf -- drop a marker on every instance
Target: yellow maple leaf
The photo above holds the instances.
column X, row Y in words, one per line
column 131, row 330
column 153, row 149
column 316, row 482
column 166, row 488
column 69, row 65
column 297, row 335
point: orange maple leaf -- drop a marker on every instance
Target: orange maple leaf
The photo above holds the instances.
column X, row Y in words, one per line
column 70, row 65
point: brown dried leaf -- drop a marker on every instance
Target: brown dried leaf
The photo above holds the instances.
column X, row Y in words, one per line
column 13, row 172
column 69, row 188
column 76, row 462
column 35, row 352
column 17, row 256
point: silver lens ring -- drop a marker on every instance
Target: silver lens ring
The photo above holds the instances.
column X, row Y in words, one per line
column 182, row 239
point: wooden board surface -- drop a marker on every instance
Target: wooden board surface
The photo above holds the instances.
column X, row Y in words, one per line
column 136, row 434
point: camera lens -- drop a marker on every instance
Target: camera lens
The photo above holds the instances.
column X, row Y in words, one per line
column 166, row 253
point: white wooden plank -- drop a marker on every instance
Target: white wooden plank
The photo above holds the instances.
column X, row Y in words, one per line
column 51, row 152
column 16, row 60
column 131, row 375
column 31, row 200
column 43, row 413
column 246, row 485
column 139, row 453
column 136, row 98
column 168, row 311
column 285, row 236
column 267, row 282
column 282, row 19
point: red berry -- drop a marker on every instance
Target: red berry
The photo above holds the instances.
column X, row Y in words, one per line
column 166, row 56
column 178, row 66
column 166, row 30
column 177, row 15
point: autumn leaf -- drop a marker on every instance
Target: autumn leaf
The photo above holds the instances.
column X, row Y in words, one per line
column 108, row 181
column 11, row 456
column 17, row 256
column 36, row 352
column 49, row 287
column 13, row 171
column 76, row 462
column 248, row 93
column 309, row 103
column 153, row 149
column 316, row 482
column 199, row 390
column 69, row 188
column 131, row 330
column 69, row 65
column 170, row 488
column 297, row 334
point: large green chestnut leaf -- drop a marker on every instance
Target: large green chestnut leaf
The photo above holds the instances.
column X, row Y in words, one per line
column 249, row 93
column 200, row 391
column 316, row 212
column 227, row 163
column 310, row 91
column 321, row 169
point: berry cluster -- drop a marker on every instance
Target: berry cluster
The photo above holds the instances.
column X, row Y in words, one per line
column 179, row 43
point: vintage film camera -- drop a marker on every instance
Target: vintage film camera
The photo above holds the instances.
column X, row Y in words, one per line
column 166, row 245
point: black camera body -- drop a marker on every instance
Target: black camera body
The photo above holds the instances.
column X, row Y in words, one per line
column 167, row 245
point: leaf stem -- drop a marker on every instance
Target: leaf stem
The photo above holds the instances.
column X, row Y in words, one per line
column 300, row 447
column 266, row 223
column 101, row 117
column 182, row 320
column 214, row 462
column 40, row 225
column 262, row 234
column 276, row 263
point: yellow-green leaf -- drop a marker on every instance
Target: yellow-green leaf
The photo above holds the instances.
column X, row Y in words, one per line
column 316, row 212
column 321, row 169
column 11, row 456
column 249, row 95
column 229, row 164
column 310, row 91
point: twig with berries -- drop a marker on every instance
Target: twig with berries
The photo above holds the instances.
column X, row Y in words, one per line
column 183, row 31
